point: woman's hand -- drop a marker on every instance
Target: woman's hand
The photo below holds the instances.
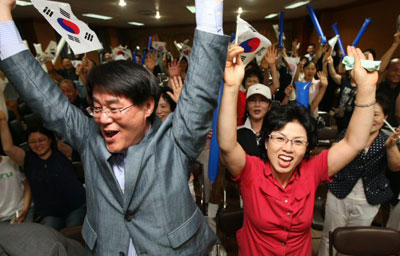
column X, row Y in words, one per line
column 288, row 90
column 234, row 72
column 323, row 78
column 270, row 57
column 393, row 139
column 177, row 85
column 360, row 75
column 150, row 62
column 174, row 68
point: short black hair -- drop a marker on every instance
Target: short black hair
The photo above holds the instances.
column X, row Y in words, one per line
column 279, row 116
column 166, row 97
column 311, row 44
column 308, row 63
column 125, row 78
column 41, row 129
column 252, row 72
column 385, row 103
column 69, row 81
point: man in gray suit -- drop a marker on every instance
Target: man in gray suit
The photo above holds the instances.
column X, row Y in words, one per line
column 136, row 168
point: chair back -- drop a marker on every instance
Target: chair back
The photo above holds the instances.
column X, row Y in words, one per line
column 365, row 241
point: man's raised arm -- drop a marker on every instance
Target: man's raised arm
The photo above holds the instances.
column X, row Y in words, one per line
column 35, row 86
column 193, row 116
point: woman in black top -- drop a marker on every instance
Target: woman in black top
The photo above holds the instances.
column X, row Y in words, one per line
column 58, row 195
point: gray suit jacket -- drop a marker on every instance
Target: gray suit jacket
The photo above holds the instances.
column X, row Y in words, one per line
column 156, row 210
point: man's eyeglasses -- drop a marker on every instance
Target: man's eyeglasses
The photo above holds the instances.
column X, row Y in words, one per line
column 280, row 139
column 114, row 113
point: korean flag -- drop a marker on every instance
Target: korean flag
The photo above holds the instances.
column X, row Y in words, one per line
column 77, row 34
column 254, row 43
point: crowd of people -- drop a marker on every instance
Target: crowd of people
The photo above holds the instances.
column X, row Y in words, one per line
column 137, row 137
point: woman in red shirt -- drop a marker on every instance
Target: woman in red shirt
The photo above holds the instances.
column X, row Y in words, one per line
column 278, row 191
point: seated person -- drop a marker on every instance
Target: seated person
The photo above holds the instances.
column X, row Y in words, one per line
column 15, row 190
column 28, row 239
column 58, row 195
column 70, row 90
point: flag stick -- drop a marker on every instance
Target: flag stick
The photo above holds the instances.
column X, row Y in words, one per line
column 60, row 46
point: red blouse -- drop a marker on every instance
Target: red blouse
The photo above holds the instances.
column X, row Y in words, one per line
column 277, row 220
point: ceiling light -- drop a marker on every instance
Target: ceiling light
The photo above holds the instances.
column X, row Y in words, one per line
column 297, row 4
column 23, row 3
column 191, row 8
column 136, row 23
column 122, row 3
column 158, row 15
column 240, row 10
column 97, row 16
column 272, row 15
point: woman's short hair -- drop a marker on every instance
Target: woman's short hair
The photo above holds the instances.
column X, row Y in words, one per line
column 46, row 132
column 279, row 116
column 253, row 72
column 125, row 78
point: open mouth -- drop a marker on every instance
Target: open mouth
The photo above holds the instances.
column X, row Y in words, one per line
column 284, row 161
column 109, row 136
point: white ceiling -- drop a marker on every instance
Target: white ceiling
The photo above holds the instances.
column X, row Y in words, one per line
column 174, row 12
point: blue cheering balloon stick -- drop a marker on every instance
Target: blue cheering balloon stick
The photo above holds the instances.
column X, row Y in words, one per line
column 149, row 45
column 339, row 41
column 134, row 57
column 213, row 159
column 303, row 93
column 316, row 23
column 281, row 22
column 362, row 30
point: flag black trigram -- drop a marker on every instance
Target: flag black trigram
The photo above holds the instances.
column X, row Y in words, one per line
column 89, row 37
column 48, row 11
column 73, row 38
column 65, row 13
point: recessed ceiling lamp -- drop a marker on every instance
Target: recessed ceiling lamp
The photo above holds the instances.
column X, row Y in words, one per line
column 122, row 3
column 135, row 23
column 296, row 4
column 191, row 8
column 23, row 3
column 96, row 16
column 272, row 15
column 158, row 15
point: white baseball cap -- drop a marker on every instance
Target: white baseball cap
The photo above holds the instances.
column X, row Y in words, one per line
column 259, row 89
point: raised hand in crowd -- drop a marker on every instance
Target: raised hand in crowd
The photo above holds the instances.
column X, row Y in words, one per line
column 176, row 84
column 362, row 78
column 174, row 68
column 332, row 71
column 150, row 62
column 270, row 57
column 234, row 72
column 393, row 139
column 295, row 44
column 385, row 60
column 323, row 78
column 83, row 69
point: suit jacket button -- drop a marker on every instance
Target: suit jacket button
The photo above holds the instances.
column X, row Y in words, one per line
column 128, row 218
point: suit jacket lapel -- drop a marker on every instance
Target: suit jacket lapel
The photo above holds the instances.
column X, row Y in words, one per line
column 133, row 163
column 102, row 158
